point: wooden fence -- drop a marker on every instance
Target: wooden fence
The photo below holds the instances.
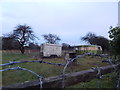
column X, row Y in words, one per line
column 18, row 51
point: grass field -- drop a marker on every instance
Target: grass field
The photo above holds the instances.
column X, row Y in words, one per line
column 45, row 70
column 107, row 81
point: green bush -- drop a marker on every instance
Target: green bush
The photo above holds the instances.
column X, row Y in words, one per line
column 114, row 34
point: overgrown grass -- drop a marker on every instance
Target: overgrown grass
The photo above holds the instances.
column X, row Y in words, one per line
column 45, row 70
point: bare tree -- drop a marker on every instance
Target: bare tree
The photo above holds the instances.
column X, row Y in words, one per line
column 24, row 35
column 51, row 38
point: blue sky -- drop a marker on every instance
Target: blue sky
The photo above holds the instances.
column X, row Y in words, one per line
column 70, row 20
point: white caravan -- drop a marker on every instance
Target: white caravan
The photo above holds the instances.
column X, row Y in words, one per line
column 48, row 50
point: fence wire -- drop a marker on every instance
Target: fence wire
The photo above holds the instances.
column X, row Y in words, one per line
column 39, row 61
column 20, row 68
column 115, row 70
column 69, row 62
column 99, row 76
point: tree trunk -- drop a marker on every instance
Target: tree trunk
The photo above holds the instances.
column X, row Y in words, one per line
column 22, row 49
